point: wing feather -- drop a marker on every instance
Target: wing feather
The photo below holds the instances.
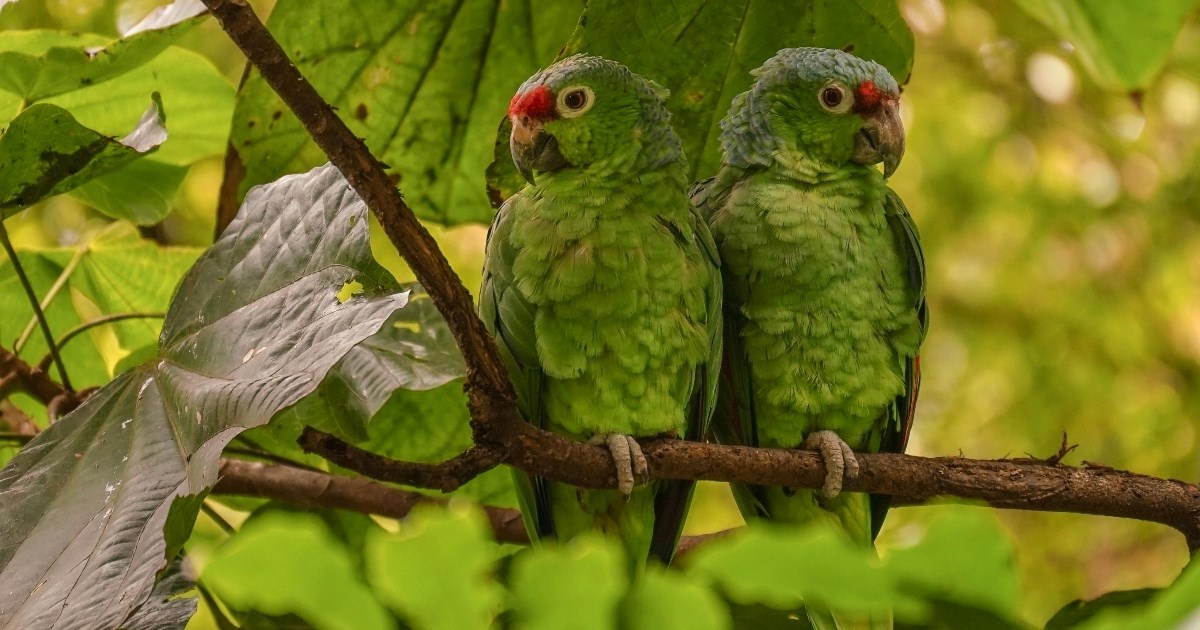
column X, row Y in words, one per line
column 900, row 414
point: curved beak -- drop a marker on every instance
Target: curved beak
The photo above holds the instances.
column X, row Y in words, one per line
column 532, row 148
column 881, row 139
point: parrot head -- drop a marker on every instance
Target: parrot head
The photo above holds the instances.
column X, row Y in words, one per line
column 827, row 104
column 584, row 110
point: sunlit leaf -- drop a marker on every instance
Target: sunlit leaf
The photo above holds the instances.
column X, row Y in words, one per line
column 100, row 279
column 38, row 64
column 437, row 571
column 576, row 585
column 254, row 327
column 665, row 600
column 759, row 566
column 934, row 568
column 297, row 550
column 196, row 96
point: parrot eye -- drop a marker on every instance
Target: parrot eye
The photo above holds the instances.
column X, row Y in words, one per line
column 575, row 100
column 835, row 98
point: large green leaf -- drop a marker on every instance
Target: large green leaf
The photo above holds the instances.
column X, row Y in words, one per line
column 1076, row 613
column 759, row 566
column 1174, row 607
column 437, row 571
column 45, row 151
column 141, row 192
column 424, row 82
column 197, row 96
column 784, row 568
column 282, row 563
column 255, row 326
column 575, row 585
column 96, row 277
column 703, row 52
column 667, row 600
column 38, row 64
column 1122, row 44
column 934, row 568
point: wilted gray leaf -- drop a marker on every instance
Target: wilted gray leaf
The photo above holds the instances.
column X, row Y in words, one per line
column 255, row 327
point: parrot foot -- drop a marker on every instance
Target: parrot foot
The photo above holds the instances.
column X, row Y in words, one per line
column 840, row 462
column 627, row 454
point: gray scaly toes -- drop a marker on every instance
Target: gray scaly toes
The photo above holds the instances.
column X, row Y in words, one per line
column 627, row 454
column 839, row 460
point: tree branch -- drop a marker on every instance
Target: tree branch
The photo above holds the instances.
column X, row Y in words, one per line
column 489, row 391
column 312, row 489
column 306, row 488
column 1021, row 484
column 17, row 375
column 446, row 476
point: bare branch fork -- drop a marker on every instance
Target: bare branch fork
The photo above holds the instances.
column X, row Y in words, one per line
column 501, row 436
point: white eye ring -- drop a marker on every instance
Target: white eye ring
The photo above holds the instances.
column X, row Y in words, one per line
column 575, row 100
column 835, row 98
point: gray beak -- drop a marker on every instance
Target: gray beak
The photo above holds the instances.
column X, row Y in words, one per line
column 881, row 139
column 533, row 149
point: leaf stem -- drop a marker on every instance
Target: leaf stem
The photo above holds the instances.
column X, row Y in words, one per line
column 37, row 309
column 59, row 283
column 19, row 438
column 216, row 518
column 99, row 321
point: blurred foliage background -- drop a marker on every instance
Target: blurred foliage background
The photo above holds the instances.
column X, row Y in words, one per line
column 1061, row 227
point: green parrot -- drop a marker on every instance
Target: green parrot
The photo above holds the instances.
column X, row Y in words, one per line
column 824, row 279
column 602, row 288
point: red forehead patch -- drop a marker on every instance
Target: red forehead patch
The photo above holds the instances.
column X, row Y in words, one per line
column 536, row 103
column 869, row 96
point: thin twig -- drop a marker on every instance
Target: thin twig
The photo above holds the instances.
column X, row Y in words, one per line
column 445, row 476
column 51, row 293
column 99, row 321
column 312, row 489
column 17, row 438
column 33, row 302
column 217, row 518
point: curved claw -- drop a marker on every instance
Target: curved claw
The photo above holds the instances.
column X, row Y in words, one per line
column 628, row 457
column 840, row 462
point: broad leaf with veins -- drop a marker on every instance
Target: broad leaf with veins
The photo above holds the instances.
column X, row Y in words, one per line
column 45, row 151
column 256, row 325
